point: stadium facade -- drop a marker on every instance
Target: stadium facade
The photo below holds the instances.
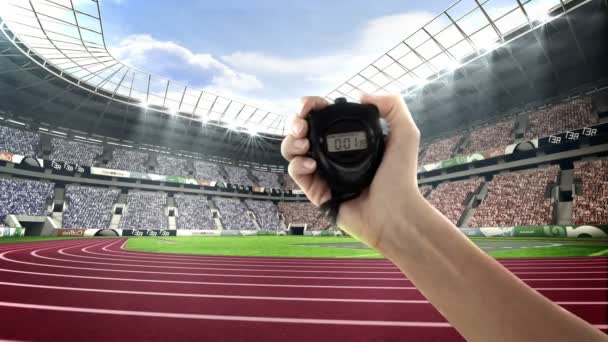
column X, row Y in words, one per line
column 543, row 81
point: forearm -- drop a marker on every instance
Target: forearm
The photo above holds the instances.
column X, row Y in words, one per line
column 479, row 297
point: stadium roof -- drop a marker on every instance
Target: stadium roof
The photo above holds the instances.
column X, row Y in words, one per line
column 69, row 35
column 465, row 30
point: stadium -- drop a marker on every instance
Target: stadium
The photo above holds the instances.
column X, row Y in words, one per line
column 137, row 207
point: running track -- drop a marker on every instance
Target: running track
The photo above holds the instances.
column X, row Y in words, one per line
column 93, row 289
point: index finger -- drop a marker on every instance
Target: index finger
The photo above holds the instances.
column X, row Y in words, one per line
column 310, row 103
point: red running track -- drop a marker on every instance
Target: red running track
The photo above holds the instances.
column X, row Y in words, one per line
column 86, row 289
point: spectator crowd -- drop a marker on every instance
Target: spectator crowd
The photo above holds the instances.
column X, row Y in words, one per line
column 267, row 179
column 237, row 175
column 74, row 152
column 590, row 206
column 518, row 199
column 193, row 212
column 25, row 197
column 233, row 214
column 128, row 160
column 303, row 213
column 145, row 210
column 266, row 214
column 18, row 142
column 88, row 207
column 449, row 197
column 170, row 166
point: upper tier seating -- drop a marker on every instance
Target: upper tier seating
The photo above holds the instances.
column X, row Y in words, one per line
column 145, row 210
column 88, row 207
column 266, row 214
column 237, row 175
column 128, row 160
column 517, row 199
column 207, row 171
column 303, row 213
column 24, row 197
column 234, row 214
column 18, row 142
column 170, row 166
column 74, row 152
column 590, row 206
column 449, row 198
column 489, row 137
column 440, row 150
column 193, row 212
column 560, row 118
column 267, row 179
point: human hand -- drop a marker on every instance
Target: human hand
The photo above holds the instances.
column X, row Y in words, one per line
column 394, row 189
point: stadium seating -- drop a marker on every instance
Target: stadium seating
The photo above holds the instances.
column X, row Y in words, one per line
column 88, row 207
column 489, row 137
column 128, row 160
column 267, row 179
column 145, row 210
column 18, row 142
column 590, row 206
column 290, row 184
column 193, row 212
column 24, row 197
column 74, row 152
column 440, row 150
column 303, row 213
column 560, row 118
column 237, row 175
column 170, row 166
column 449, row 198
column 266, row 214
column 517, row 199
column 233, row 214
column 207, row 171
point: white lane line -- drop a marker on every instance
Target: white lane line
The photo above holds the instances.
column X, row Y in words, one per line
column 605, row 251
column 2, row 256
column 268, row 298
column 225, row 317
column 203, row 295
column 34, row 253
column 143, row 260
column 406, row 288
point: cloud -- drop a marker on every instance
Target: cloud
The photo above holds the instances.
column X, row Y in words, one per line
column 330, row 70
column 170, row 58
column 272, row 82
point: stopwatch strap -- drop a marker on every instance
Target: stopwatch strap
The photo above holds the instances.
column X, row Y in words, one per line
column 331, row 207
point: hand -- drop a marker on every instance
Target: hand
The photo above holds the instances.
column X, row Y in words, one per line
column 394, row 189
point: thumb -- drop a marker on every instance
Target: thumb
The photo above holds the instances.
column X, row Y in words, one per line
column 394, row 110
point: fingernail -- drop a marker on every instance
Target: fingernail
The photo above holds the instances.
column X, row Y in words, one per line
column 297, row 127
column 300, row 143
column 310, row 164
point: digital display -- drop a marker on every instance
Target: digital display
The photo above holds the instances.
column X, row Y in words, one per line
column 342, row 142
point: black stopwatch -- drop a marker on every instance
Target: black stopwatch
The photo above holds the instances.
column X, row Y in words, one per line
column 347, row 142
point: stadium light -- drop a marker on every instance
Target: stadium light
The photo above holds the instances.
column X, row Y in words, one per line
column 252, row 131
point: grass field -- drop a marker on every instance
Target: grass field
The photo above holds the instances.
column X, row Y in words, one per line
column 341, row 247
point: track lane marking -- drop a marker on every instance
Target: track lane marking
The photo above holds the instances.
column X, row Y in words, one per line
column 225, row 317
column 239, row 297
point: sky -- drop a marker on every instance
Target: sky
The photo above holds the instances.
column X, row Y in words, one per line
column 264, row 52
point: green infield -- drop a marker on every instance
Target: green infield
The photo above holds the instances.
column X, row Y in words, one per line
column 340, row 247
column 346, row 247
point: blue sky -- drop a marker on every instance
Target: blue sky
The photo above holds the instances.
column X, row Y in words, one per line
column 265, row 52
